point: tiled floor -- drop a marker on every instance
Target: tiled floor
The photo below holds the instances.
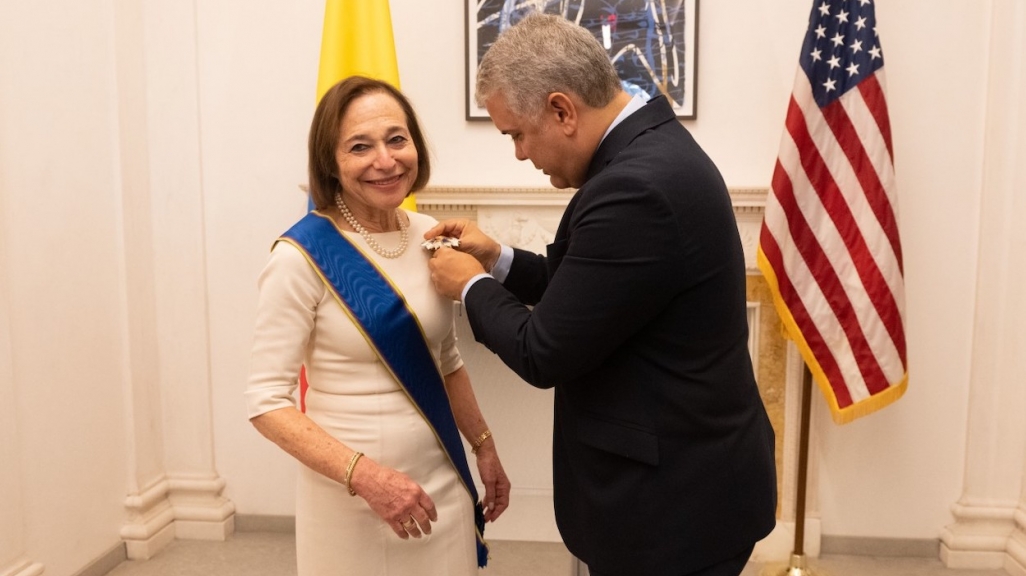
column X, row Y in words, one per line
column 273, row 554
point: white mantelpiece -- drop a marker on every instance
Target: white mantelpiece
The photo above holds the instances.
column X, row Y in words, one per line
column 527, row 217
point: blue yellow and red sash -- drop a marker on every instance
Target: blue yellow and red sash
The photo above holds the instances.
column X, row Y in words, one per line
column 381, row 314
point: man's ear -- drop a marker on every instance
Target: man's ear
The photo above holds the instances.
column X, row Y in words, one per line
column 564, row 111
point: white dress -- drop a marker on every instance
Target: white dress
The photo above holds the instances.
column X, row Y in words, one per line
column 357, row 401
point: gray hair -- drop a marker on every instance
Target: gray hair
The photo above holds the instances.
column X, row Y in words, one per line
column 542, row 54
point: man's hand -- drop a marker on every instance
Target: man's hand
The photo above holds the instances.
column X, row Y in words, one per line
column 450, row 271
column 472, row 240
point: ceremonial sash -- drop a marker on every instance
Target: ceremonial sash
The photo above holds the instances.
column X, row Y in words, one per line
column 393, row 332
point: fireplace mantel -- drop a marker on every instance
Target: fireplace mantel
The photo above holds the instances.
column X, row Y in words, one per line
column 500, row 210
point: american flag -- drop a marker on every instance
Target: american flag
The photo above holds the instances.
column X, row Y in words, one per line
column 829, row 246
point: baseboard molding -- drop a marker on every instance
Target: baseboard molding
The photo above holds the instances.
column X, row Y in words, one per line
column 265, row 523
column 1015, row 562
column 777, row 547
column 779, row 544
column 1015, row 567
column 150, row 523
column 529, row 518
column 865, row 546
column 106, row 562
column 201, row 511
column 980, row 536
column 22, row 567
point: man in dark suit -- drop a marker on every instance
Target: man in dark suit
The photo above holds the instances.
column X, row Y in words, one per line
column 663, row 456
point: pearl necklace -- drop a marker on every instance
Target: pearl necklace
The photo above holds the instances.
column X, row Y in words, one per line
column 404, row 236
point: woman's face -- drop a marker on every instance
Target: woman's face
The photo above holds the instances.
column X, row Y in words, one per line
column 377, row 159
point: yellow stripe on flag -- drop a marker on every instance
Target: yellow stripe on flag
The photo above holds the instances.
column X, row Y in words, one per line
column 357, row 40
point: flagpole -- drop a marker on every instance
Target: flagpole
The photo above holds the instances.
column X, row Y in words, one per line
column 797, row 565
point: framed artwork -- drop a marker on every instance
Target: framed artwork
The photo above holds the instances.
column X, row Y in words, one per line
column 653, row 44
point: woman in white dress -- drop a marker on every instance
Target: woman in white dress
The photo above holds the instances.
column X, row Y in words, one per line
column 383, row 489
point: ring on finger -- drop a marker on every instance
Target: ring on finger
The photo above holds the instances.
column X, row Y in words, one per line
column 409, row 523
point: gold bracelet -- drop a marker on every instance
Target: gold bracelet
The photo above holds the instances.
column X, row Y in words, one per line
column 480, row 440
column 349, row 473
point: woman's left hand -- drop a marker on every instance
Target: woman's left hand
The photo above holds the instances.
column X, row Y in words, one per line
column 496, row 482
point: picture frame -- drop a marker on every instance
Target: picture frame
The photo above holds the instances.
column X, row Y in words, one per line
column 653, row 45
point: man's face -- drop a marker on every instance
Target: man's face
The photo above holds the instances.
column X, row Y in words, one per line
column 542, row 140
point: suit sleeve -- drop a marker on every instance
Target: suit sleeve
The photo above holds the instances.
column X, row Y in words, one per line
column 613, row 273
column 528, row 276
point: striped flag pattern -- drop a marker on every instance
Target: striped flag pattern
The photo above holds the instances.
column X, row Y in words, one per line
column 356, row 40
column 829, row 245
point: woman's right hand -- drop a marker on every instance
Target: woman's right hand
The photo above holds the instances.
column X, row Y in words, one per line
column 395, row 497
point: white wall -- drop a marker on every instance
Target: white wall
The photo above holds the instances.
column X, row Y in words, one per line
column 81, row 163
column 61, row 232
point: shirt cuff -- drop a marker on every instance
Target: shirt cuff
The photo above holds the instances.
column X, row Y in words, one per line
column 502, row 264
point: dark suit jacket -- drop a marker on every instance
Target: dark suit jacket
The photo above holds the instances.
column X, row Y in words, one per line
column 663, row 456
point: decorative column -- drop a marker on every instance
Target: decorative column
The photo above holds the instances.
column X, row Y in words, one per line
column 175, row 489
column 149, row 525
column 988, row 532
column 13, row 559
column 179, row 237
column 1015, row 562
